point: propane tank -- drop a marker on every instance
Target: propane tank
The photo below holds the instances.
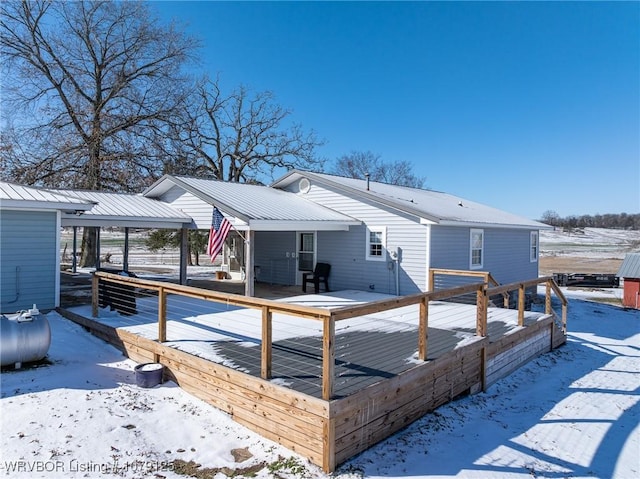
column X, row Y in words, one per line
column 24, row 337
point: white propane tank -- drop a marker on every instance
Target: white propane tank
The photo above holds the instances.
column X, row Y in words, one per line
column 24, row 337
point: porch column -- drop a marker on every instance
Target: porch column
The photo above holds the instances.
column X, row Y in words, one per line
column 249, row 287
column 97, row 248
column 184, row 253
column 125, row 253
column 74, row 260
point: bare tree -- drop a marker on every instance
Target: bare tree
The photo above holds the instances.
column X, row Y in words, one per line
column 359, row 164
column 91, row 85
column 243, row 136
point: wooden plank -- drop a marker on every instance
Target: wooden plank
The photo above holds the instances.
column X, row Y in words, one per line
column 379, row 398
column 348, row 312
column 266, row 347
column 329, row 446
column 241, row 381
column 423, row 330
column 328, row 357
column 398, row 417
column 481, row 306
column 234, row 402
column 521, row 297
column 162, row 315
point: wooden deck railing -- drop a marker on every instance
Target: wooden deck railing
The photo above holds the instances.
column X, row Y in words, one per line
column 504, row 290
column 328, row 317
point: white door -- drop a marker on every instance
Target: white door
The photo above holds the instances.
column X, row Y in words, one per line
column 306, row 257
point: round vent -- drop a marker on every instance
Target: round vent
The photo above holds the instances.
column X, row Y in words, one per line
column 304, row 186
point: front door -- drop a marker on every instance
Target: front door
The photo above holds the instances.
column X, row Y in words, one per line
column 306, row 243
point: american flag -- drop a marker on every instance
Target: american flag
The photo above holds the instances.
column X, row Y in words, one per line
column 219, row 229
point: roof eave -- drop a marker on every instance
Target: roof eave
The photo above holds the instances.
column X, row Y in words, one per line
column 45, row 205
column 478, row 224
column 298, row 225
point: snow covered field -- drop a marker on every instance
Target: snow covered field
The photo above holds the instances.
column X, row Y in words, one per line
column 574, row 412
column 591, row 242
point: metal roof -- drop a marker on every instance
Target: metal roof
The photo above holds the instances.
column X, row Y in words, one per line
column 120, row 209
column 428, row 205
column 630, row 267
column 23, row 197
column 256, row 205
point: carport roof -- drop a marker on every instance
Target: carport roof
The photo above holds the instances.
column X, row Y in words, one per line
column 28, row 197
column 123, row 210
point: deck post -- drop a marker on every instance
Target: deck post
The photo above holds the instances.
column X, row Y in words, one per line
column 423, row 329
column 328, row 356
column 482, row 305
column 521, row 295
column 162, row 315
column 267, row 335
column 547, row 298
column 95, row 295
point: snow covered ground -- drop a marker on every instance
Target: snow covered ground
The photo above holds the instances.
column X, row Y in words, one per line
column 574, row 412
column 591, row 242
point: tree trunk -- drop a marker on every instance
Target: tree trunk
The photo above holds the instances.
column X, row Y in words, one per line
column 89, row 247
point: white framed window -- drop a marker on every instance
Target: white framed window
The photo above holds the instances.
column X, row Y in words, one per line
column 534, row 247
column 476, row 253
column 376, row 243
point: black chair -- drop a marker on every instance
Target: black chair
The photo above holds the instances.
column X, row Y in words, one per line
column 320, row 274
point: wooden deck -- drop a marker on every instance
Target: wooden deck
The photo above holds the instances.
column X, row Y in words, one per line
column 378, row 384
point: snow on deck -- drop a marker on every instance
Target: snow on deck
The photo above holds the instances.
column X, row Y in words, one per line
column 367, row 348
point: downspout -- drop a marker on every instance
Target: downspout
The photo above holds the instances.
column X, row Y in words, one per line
column 395, row 256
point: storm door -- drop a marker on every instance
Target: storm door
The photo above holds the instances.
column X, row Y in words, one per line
column 306, row 253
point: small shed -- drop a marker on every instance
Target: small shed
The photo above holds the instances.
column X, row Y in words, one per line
column 630, row 272
column 30, row 220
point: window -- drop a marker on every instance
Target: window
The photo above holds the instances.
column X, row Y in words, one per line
column 477, row 248
column 376, row 243
column 534, row 246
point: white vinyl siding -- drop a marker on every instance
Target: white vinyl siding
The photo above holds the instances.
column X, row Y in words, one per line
column 534, row 248
column 476, row 254
column 347, row 251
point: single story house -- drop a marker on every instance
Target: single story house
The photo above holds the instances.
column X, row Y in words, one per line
column 30, row 220
column 630, row 272
column 375, row 236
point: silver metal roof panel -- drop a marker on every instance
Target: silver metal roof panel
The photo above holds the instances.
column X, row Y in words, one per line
column 19, row 196
column 431, row 206
column 251, row 203
column 630, row 267
column 121, row 209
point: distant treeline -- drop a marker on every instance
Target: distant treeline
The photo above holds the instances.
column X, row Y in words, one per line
column 611, row 221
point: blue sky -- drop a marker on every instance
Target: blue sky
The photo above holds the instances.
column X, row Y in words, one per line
column 526, row 107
